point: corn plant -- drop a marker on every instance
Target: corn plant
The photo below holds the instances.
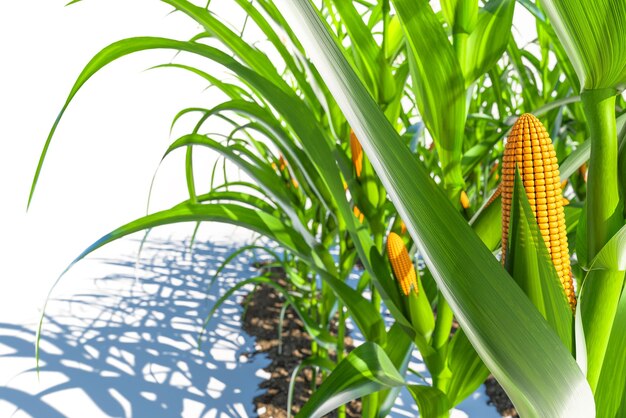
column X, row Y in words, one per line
column 332, row 137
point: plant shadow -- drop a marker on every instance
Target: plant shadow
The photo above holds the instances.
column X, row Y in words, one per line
column 128, row 347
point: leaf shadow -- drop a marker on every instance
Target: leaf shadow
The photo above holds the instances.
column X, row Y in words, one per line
column 130, row 346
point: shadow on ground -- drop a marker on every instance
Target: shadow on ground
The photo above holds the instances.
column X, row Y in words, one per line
column 128, row 347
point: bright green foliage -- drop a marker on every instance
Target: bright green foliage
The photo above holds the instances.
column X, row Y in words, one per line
column 390, row 70
column 594, row 36
column 481, row 294
column 528, row 262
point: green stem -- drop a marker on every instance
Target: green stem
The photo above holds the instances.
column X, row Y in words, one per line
column 376, row 298
column 341, row 332
column 603, row 213
column 601, row 291
column 441, row 337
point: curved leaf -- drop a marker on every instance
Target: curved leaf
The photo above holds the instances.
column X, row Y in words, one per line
column 366, row 370
column 529, row 263
column 437, row 80
column 613, row 255
column 611, row 391
column 431, row 402
column 536, row 370
column 489, row 38
column 593, row 34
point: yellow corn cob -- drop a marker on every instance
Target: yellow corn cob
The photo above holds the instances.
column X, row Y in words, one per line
column 401, row 263
column 357, row 153
column 530, row 148
column 357, row 212
column 465, row 202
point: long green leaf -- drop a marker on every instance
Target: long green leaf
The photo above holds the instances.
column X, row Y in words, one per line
column 438, row 82
column 534, row 367
column 255, row 220
column 431, row 402
column 613, row 255
column 611, row 391
column 582, row 153
column 468, row 370
column 528, row 261
column 594, row 35
column 365, row 370
column 489, row 38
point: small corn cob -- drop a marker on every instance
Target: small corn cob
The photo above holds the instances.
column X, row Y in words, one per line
column 401, row 263
column 530, row 148
column 282, row 163
column 402, row 227
column 465, row 202
column 357, row 212
column 357, row 153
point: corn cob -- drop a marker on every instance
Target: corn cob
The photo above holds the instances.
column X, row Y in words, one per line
column 465, row 202
column 357, row 153
column 401, row 263
column 402, row 227
column 282, row 163
column 530, row 149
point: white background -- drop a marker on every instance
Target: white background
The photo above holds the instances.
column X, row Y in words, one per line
column 107, row 147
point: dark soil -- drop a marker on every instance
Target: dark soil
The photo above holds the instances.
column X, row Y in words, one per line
column 499, row 398
column 262, row 312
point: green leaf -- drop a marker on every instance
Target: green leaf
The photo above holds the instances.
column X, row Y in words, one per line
column 594, row 35
column 438, row 82
column 536, row 370
column 489, row 39
column 321, row 335
column 431, row 402
column 367, row 51
column 468, row 371
column 528, row 261
column 261, row 222
column 365, row 315
column 367, row 369
column 613, row 255
column 260, row 172
column 321, row 362
column 582, row 153
column 399, row 348
column 611, row 390
column 487, row 224
column 460, row 14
